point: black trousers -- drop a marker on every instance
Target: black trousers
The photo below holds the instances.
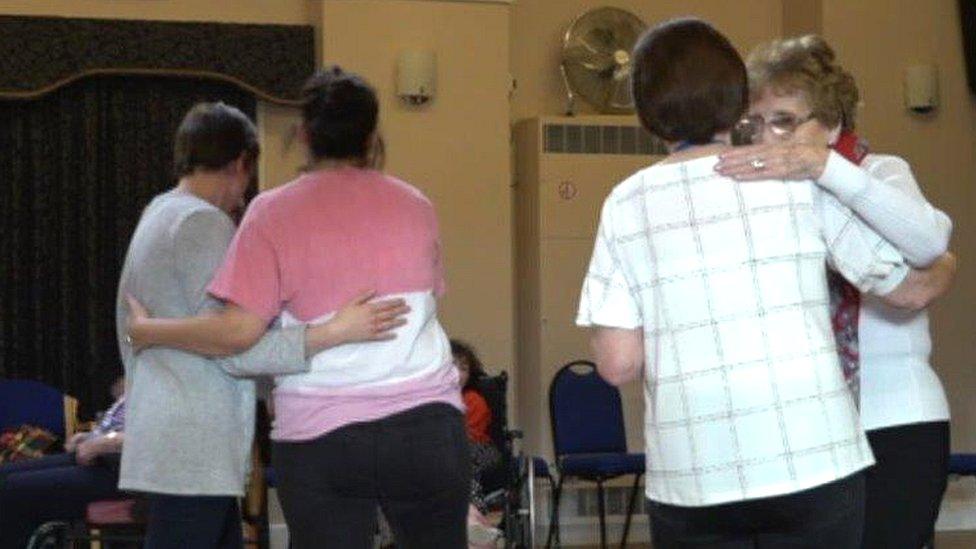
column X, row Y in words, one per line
column 54, row 487
column 414, row 465
column 193, row 522
column 831, row 516
column 905, row 487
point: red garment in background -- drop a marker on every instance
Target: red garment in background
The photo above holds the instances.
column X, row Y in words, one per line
column 478, row 416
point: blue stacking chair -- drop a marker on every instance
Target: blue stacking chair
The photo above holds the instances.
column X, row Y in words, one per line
column 589, row 439
column 963, row 465
column 24, row 401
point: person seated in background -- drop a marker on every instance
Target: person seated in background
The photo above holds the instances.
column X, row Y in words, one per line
column 484, row 455
column 60, row 486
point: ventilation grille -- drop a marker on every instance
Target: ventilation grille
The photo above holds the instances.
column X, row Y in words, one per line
column 597, row 139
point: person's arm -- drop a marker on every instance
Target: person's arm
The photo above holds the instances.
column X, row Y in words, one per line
column 921, row 287
column 856, row 251
column 888, row 198
column 199, row 241
column 608, row 306
column 280, row 351
column 619, row 353
column 358, row 320
column 72, row 443
column 223, row 332
column 109, row 443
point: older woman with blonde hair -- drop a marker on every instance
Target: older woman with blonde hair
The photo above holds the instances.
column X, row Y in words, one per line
column 802, row 117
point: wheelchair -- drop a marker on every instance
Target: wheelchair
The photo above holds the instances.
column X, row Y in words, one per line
column 510, row 486
column 114, row 524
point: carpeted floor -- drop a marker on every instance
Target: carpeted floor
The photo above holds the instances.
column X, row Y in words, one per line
column 943, row 540
column 955, row 540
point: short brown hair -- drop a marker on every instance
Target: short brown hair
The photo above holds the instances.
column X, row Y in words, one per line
column 212, row 135
column 806, row 64
column 689, row 82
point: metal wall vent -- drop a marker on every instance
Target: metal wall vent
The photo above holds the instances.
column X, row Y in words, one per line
column 599, row 139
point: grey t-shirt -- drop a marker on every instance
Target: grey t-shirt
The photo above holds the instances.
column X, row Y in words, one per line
column 190, row 422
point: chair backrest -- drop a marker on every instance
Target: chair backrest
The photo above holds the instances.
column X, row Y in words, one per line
column 25, row 401
column 586, row 413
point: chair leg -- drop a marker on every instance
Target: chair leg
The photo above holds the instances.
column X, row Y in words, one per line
column 554, row 518
column 630, row 510
column 552, row 490
column 601, row 505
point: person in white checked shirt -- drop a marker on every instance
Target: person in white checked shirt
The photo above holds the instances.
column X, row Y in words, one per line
column 714, row 294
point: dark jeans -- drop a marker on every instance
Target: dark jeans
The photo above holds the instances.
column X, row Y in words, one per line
column 831, row 516
column 414, row 465
column 193, row 522
column 905, row 487
column 54, row 487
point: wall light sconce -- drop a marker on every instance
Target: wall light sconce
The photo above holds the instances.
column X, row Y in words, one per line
column 416, row 76
column 922, row 88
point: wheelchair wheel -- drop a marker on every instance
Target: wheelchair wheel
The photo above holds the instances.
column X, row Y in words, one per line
column 520, row 519
column 50, row 535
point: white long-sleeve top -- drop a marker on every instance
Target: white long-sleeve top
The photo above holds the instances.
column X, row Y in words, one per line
column 898, row 386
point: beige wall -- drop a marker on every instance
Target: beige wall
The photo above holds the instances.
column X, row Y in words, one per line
column 802, row 17
column 941, row 148
column 538, row 27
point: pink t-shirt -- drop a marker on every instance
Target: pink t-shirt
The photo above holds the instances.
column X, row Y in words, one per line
column 307, row 248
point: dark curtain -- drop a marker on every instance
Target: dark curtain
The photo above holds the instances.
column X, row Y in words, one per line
column 76, row 168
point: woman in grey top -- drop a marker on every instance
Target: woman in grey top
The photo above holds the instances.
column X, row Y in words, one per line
column 190, row 420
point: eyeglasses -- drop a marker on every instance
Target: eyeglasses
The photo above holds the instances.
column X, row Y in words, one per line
column 780, row 124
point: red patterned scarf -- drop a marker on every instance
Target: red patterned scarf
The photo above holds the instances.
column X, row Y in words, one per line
column 845, row 299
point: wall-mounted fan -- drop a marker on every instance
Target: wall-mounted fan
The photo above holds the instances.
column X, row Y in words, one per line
column 596, row 59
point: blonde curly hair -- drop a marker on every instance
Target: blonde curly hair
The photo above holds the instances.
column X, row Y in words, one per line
column 806, row 64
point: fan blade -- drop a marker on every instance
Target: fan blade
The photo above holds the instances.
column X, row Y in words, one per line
column 580, row 41
column 590, row 60
column 625, row 41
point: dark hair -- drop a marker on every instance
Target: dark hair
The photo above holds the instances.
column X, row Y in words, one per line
column 465, row 351
column 689, row 82
column 340, row 112
column 211, row 136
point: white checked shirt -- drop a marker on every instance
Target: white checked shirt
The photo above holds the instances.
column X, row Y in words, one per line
column 744, row 394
